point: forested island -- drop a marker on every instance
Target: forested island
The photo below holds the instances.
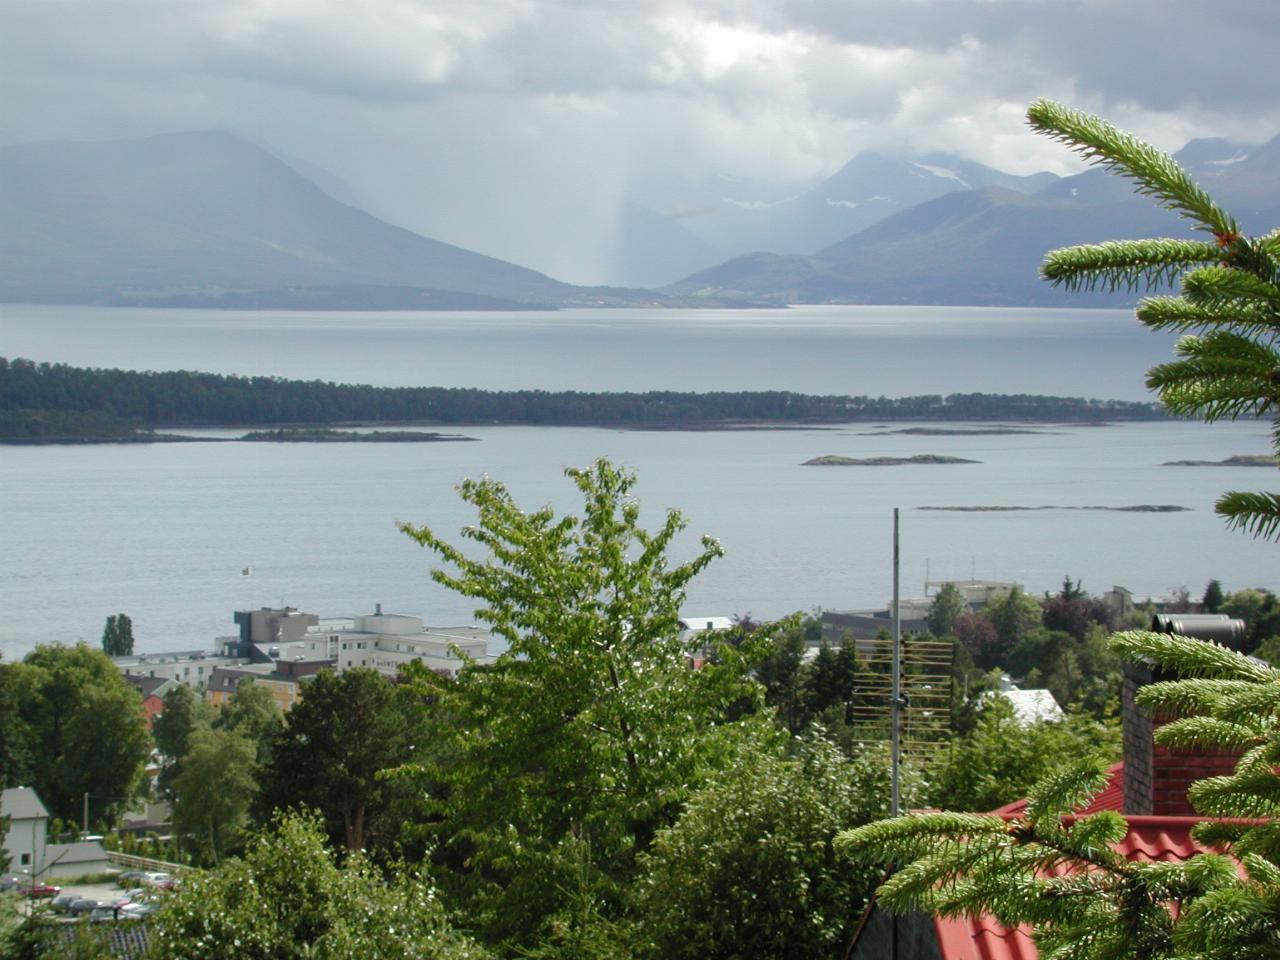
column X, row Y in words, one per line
column 55, row 403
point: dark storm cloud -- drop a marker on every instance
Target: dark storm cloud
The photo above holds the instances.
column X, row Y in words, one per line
column 471, row 119
column 1165, row 54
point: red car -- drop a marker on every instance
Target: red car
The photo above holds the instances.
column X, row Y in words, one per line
column 38, row 890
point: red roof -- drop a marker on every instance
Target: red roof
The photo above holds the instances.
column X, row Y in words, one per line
column 1149, row 838
column 1111, row 797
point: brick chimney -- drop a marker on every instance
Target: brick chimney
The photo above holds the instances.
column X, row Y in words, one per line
column 1156, row 778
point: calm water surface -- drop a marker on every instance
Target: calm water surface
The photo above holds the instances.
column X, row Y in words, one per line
column 874, row 351
column 164, row 532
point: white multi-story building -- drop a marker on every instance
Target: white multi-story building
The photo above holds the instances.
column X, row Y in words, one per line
column 389, row 641
column 185, row 666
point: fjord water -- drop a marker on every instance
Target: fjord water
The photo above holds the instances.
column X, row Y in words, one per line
column 165, row 532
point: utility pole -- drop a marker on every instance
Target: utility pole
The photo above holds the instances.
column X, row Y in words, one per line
column 895, row 702
column 85, row 830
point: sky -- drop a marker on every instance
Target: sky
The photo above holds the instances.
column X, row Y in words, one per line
column 482, row 121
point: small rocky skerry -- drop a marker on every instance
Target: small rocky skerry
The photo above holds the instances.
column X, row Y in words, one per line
column 1135, row 508
column 1239, row 460
column 831, row 460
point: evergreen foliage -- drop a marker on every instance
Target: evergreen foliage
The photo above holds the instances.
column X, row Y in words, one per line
column 117, row 636
column 1228, row 307
column 337, row 741
column 1058, row 873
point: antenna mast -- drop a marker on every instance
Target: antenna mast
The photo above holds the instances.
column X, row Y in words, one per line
column 895, row 703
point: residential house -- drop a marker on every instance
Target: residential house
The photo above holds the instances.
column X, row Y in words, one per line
column 28, row 825
column 152, row 690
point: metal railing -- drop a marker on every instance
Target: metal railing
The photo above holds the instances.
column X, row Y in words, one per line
column 130, row 862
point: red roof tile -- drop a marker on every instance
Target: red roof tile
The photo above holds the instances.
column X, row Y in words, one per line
column 981, row 938
column 1111, row 797
column 1149, row 838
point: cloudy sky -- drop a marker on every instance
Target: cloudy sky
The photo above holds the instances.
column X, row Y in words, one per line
column 471, row 119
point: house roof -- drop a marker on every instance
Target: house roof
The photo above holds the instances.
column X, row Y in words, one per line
column 1029, row 706
column 1111, row 798
column 1149, row 839
column 21, row 803
column 85, row 851
column 149, row 686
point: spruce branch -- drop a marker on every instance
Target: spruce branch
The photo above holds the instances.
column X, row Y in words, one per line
column 1219, row 285
column 1190, row 657
column 1125, row 264
column 1155, row 172
column 1254, row 513
column 1196, row 733
column 1175, row 313
column 1247, row 795
column 1198, row 695
column 1067, row 789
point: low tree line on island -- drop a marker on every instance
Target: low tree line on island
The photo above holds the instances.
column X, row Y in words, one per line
column 42, row 401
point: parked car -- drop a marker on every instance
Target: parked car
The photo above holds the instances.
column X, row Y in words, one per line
column 104, row 913
column 38, row 889
column 130, row 878
column 60, row 903
column 155, row 879
column 137, row 911
column 10, row 880
column 82, row 907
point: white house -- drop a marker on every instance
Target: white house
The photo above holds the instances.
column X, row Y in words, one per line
column 28, row 825
column 690, row 627
column 1029, row 706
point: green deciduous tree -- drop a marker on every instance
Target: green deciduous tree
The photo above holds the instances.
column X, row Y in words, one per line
column 1260, row 611
column 1014, row 615
column 253, row 713
column 183, row 714
column 947, row 607
column 117, row 636
column 1000, row 759
column 592, row 728
column 81, row 724
column 288, row 898
column 1228, row 305
column 749, row 869
column 214, row 791
column 15, row 740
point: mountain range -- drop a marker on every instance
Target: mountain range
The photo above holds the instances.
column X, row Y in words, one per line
column 200, row 216
column 984, row 246
column 209, row 219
